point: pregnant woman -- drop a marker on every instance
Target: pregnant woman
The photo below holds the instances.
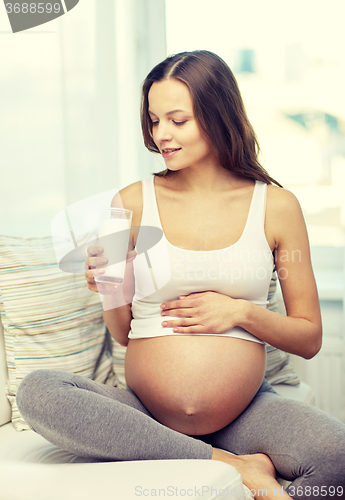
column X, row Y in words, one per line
column 195, row 325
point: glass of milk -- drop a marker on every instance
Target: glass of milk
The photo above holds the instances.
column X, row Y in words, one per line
column 114, row 236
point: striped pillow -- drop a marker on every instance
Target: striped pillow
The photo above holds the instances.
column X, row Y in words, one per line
column 50, row 318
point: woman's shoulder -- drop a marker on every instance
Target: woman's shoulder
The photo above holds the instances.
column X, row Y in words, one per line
column 130, row 198
column 281, row 201
column 284, row 215
column 131, row 195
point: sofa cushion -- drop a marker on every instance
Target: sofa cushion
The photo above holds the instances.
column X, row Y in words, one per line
column 30, row 447
column 50, row 318
column 192, row 479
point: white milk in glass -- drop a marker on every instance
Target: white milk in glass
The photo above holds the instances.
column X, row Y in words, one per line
column 115, row 250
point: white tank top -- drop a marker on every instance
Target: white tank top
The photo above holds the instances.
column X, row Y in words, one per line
column 242, row 270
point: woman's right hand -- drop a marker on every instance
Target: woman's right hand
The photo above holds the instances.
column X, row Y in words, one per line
column 94, row 267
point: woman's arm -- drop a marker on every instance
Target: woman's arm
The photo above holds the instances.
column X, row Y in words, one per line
column 117, row 300
column 118, row 322
column 117, row 308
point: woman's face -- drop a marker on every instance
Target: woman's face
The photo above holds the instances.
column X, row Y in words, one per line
column 174, row 127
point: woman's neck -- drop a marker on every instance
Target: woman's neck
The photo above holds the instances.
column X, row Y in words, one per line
column 205, row 180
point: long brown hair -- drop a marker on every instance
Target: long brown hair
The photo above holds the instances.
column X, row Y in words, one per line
column 218, row 109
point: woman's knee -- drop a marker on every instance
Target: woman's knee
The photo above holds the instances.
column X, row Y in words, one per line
column 325, row 456
column 35, row 387
column 331, row 459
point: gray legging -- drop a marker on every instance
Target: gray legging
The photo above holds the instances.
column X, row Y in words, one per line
column 89, row 419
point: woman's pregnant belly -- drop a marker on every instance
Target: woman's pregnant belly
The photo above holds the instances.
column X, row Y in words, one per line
column 195, row 384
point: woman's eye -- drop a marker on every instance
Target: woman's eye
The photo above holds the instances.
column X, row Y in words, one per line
column 154, row 123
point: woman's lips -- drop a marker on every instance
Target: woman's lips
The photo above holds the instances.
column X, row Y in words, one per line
column 169, row 153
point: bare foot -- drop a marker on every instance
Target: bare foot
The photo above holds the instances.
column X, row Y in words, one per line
column 257, row 471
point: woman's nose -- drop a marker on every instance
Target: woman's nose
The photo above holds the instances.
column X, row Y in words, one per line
column 162, row 133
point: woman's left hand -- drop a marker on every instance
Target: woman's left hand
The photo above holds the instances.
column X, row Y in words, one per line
column 203, row 312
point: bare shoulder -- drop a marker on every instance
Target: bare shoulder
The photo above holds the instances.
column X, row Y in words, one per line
column 281, row 202
column 284, row 217
column 130, row 198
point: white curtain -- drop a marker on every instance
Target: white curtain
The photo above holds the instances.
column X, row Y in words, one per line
column 69, row 100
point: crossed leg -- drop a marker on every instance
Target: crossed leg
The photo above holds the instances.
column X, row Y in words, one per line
column 305, row 445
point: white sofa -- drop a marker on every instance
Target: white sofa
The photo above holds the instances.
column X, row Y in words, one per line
column 31, row 468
